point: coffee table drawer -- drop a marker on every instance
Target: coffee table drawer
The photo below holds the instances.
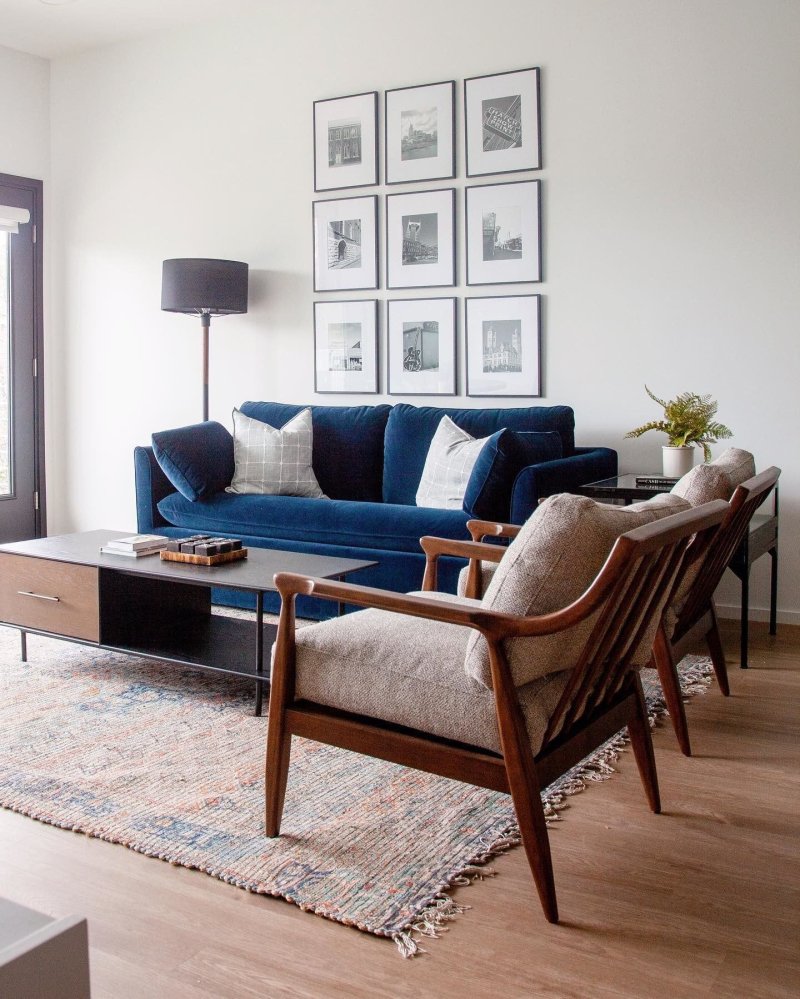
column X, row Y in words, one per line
column 51, row 596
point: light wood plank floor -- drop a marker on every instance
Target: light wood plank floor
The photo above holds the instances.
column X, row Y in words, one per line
column 699, row 901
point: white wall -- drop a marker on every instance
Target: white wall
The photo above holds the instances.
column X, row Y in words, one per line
column 671, row 217
column 24, row 114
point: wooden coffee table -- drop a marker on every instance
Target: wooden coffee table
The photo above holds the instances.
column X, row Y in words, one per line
column 64, row 587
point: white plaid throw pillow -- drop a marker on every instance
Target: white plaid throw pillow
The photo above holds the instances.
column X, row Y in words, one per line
column 448, row 466
column 274, row 462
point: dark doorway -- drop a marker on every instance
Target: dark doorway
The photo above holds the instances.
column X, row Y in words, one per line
column 22, row 507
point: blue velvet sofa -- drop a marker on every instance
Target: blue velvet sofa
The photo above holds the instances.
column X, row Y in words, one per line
column 369, row 461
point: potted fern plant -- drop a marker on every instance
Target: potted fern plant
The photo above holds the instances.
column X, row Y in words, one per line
column 688, row 420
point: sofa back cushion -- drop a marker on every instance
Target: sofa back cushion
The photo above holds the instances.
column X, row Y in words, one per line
column 552, row 561
column 410, row 430
column 737, row 464
column 348, row 445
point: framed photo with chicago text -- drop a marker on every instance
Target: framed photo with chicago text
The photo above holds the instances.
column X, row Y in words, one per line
column 420, row 239
column 346, row 346
column 346, row 142
column 346, row 243
column 503, row 338
column 503, row 122
column 421, row 346
column 419, row 125
column 503, row 230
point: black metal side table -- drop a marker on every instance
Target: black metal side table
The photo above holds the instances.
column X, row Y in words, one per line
column 761, row 538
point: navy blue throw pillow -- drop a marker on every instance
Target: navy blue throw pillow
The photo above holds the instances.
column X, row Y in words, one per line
column 502, row 458
column 197, row 460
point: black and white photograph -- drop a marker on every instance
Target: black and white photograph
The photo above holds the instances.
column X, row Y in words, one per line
column 346, row 142
column 502, row 122
column 419, row 127
column 346, row 346
column 420, row 239
column 422, row 346
column 503, row 233
column 346, row 244
column 503, row 339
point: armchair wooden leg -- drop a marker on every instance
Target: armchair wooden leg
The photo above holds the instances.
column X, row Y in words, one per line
column 671, row 686
column 527, row 797
column 279, row 748
column 714, row 642
column 642, row 745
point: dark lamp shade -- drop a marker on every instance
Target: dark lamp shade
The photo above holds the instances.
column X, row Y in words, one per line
column 197, row 285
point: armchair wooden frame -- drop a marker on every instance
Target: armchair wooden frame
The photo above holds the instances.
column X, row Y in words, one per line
column 603, row 695
column 697, row 617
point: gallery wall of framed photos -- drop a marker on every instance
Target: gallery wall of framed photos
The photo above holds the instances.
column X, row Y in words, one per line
column 420, row 242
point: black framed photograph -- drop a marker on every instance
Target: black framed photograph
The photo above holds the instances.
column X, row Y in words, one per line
column 503, row 338
column 420, row 239
column 346, row 243
column 346, row 346
column 419, row 124
column 346, row 142
column 504, row 233
column 502, row 122
column 421, row 346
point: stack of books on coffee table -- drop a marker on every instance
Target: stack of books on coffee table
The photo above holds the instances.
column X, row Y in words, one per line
column 135, row 545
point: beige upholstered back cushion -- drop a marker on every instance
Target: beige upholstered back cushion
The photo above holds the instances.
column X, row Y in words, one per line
column 553, row 560
column 703, row 484
column 738, row 464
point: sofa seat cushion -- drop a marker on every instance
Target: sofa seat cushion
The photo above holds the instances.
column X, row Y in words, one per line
column 410, row 430
column 410, row 671
column 332, row 522
column 550, row 564
column 347, row 453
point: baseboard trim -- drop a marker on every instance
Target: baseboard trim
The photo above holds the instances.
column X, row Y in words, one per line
column 758, row 614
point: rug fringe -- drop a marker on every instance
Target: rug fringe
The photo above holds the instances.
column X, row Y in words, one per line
column 430, row 922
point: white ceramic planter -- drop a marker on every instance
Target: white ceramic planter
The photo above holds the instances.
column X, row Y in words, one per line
column 677, row 460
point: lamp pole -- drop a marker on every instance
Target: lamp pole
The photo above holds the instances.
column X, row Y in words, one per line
column 205, row 322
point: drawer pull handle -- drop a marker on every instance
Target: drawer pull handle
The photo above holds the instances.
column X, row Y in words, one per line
column 39, row 596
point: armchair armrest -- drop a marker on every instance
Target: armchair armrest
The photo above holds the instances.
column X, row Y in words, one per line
column 563, row 475
column 475, row 551
column 480, row 529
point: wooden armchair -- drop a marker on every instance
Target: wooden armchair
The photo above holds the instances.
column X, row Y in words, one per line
column 503, row 700
column 692, row 616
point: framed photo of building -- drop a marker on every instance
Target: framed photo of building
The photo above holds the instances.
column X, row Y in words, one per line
column 346, row 142
column 503, row 122
column 346, row 346
column 421, row 347
column 419, row 125
column 346, row 244
column 420, row 239
column 504, row 233
column 503, row 337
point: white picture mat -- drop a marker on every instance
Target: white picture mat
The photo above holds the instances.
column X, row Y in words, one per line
column 441, row 96
column 327, row 314
column 523, row 309
column 526, row 157
column 490, row 197
column 419, row 310
column 362, row 107
column 440, row 274
column 350, row 278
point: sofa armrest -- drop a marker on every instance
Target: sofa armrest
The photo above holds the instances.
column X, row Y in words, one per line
column 564, row 475
column 151, row 487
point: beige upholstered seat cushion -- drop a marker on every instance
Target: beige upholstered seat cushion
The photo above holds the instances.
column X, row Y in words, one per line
column 557, row 554
column 738, row 464
column 703, row 484
column 410, row 671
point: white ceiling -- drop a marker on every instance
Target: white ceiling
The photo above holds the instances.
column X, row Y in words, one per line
column 50, row 30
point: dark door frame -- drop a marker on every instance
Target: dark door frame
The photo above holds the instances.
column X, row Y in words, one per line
column 35, row 187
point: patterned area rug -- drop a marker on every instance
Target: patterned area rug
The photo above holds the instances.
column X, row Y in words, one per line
column 169, row 762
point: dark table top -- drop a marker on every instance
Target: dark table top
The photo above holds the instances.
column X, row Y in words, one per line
column 255, row 573
column 625, row 487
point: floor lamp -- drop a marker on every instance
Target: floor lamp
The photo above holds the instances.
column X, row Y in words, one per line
column 202, row 287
